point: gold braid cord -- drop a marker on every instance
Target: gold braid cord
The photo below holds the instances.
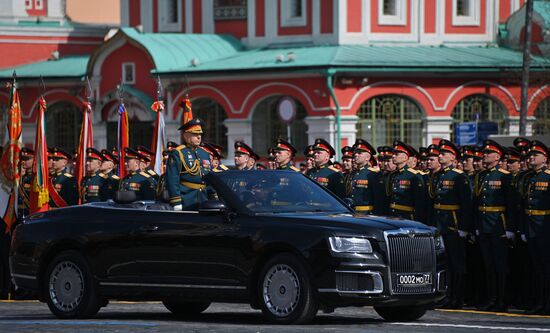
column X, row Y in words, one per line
column 193, row 170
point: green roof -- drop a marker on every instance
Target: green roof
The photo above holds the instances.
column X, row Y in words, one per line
column 65, row 67
column 542, row 7
column 173, row 51
column 370, row 57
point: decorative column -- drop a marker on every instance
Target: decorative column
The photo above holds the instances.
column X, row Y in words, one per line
column 437, row 128
column 513, row 126
column 321, row 127
column 237, row 130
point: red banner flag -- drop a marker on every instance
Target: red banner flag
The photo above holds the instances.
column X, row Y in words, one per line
column 9, row 175
column 123, row 138
column 39, row 196
column 86, row 141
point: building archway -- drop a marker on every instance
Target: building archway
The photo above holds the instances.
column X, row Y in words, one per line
column 385, row 118
column 267, row 127
column 141, row 123
column 213, row 115
column 482, row 108
column 541, row 126
column 63, row 122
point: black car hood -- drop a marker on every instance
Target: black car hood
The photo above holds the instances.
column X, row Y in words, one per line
column 342, row 224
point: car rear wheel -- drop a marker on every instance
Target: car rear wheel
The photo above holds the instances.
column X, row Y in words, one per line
column 285, row 291
column 69, row 287
column 401, row 313
column 186, row 308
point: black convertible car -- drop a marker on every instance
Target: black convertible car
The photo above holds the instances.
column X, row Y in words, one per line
column 273, row 239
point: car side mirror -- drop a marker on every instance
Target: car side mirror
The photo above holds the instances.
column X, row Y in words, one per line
column 349, row 202
column 212, row 207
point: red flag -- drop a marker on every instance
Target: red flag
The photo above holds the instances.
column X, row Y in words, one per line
column 187, row 110
column 159, row 138
column 39, row 196
column 123, row 138
column 86, row 141
column 9, row 175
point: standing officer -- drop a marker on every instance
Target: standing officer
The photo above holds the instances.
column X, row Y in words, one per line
column 108, row 166
column 216, row 160
column 536, row 225
column 408, row 192
column 95, row 185
column 251, row 164
column 146, row 166
column 137, row 180
column 309, row 153
column 186, row 166
column 215, row 157
column 243, row 154
column 27, row 159
column 284, row 153
column 495, row 227
column 366, row 190
column 323, row 172
column 452, row 206
column 63, row 187
column 348, row 169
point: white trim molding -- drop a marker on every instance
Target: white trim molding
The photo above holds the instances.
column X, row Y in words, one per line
column 474, row 13
column 397, row 18
column 124, row 71
column 288, row 19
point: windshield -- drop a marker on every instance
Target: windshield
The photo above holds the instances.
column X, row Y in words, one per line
column 280, row 192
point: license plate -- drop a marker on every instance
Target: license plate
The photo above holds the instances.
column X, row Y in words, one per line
column 414, row 279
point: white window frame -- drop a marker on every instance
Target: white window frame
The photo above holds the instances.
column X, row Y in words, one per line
column 29, row 4
column 39, row 4
column 287, row 20
column 471, row 20
column 400, row 18
column 165, row 26
column 133, row 65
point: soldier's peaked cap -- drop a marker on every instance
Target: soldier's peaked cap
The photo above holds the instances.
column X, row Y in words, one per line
column 322, row 144
column 364, row 145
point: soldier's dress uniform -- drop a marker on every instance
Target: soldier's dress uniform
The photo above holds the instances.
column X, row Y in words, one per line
column 215, row 154
column 385, row 154
column 94, row 187
column 366, row 190
column 285, row 145
column 536, row 228
column 327, row 175
column 150, row 155
column 185, row 169
column 347, row 154
column 23, row 201
column 63, row 188
column 452, row 207
column 407, row 190
column 113, row 178
column 138, row 181
column 494, row 207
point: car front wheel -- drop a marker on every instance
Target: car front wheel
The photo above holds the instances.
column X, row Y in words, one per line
column 69, row 287
column 401, row 313
column 285, row 291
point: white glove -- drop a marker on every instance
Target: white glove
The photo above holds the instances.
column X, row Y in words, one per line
column 524, row 238
column 477, row 232
column 462, row 233
column 178, row 208
column 510, row 235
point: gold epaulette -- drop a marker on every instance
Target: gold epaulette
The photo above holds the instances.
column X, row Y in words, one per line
column 151, row 172
column 223, row 167
column 68, row 175
column 180, row 147
column 458, row 170
column 293, row 168
column 506, row 172
column 374, row 169
column 102, row 175
column 145, row 174
column 413, row 171
column 334, row 169
column 115, row 177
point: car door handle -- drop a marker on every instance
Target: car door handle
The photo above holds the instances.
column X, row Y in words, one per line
column 149, row 228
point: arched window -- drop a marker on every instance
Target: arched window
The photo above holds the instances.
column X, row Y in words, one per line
column 267, row 127
column 541, row 126
column 385, row 118
column 63, row 122
column 213, row 115
column 482, row 108
column 140, row 123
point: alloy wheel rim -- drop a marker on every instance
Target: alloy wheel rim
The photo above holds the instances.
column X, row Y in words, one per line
column 66, row 286
column 281, row 290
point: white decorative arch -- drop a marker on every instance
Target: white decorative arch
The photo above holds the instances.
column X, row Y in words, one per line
column 503, row 89
column 207, row 87
column 49, row 92
column 540, row 90
column 284, row 84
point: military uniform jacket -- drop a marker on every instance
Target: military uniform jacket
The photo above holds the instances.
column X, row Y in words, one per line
column 494, row 202
column 537, row 205
column 95, row 188
column 141, row 183
column 24, row 194
column 289, row 166
column 452, row 201
column 152, row 173
column 113, row 184
column 329, row 177
column 184, row 171
column 366, row 192
column 65, row 186
column 407, row 194
column 220, row 168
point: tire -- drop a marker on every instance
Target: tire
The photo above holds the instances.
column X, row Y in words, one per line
column 285, row 293
column 401, row 313
column 185, row 309
column 69, row 288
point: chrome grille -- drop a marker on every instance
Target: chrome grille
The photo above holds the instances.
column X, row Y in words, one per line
column 410, row 254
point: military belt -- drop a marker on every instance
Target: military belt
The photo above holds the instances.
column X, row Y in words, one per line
column 492, row 209
column 446, row 207
column 364, row 208
column 194, row 186
column 404, row 208
column 537, row 212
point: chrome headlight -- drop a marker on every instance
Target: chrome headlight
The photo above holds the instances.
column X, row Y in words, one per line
column 350, row 245
column 439, row 245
